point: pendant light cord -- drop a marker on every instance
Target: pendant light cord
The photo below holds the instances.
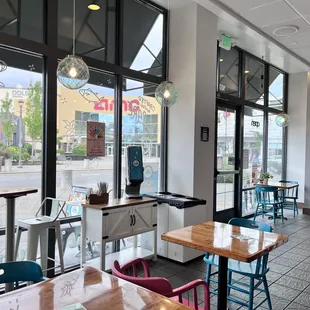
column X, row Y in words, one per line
column 73, row 27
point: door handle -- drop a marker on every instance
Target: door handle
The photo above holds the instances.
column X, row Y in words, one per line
column 134, row 220
column 216, row 173
column 131, row 220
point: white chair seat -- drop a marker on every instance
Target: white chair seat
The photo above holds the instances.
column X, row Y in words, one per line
column 37, row 221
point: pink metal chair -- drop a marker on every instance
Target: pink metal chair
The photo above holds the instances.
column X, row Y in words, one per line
column 161, row 285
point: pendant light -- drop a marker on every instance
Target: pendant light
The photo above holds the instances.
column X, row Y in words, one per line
column 72, row 71
column 282, row 120
column 166, row 93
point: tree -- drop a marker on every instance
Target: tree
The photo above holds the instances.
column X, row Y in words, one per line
column 7, row 117
column 33, row 118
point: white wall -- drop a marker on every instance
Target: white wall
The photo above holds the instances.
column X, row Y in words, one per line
column 299, row 133
column 192, row 67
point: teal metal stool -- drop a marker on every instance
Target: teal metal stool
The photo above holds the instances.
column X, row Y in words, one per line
column 255, row 271
column 270, row 201
column 291, row 196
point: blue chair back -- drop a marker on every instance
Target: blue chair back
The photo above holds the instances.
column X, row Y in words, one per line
column 261, row 265
column 250, row 224
column 269, row 195
column 291, row 193
column 21, row 271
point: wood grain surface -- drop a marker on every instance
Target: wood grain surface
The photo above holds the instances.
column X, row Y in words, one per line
column 220, row 239
column 92, row 288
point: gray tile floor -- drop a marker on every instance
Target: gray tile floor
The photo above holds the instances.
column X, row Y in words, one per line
column 288, row 278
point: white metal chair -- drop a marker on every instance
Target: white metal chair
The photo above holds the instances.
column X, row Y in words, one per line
column 38, row 227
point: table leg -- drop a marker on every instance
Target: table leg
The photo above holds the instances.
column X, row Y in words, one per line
column 10, row 233
column 222, row 283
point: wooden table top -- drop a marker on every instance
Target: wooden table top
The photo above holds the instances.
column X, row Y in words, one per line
column 280, row 185
column 16, row 192
column 90, row 287
column 120, row 203
column 216, row 238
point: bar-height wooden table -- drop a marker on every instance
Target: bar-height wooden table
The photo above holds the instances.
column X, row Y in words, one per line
column 10, row 194
column 220, row 239
column 90, row 287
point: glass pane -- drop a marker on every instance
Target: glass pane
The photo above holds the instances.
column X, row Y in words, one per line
column 143, row 38
column 141, row 127
column 248, row 201
column 254, row 80
column 21, row 106
column 276, row 86
column 22, row 19
column 229, row 72
column 226, row 124
column 252, row 146
column 226, row 132
column 225, row 192
column 95, row 30
column 275, row 147
column 78, row 171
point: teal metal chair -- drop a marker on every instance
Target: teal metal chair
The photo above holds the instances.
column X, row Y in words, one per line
column 291, row 196
column 25, row 271
column 270, row 201
column 255, row 271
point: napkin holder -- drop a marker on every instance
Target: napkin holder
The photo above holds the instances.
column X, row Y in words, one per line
column 94, row 199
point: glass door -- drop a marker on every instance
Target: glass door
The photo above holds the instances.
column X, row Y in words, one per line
column 227, row 166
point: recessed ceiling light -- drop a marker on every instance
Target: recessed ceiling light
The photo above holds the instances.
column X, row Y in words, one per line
column 221, row 59
column 246, row 71
column 94, row 7
column 285, row 31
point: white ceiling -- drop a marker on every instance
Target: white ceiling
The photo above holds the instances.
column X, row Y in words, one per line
column 269, row 15
column 251, row 24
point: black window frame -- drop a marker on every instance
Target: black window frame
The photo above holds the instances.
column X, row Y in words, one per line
column 242, row 102
column 51, row 55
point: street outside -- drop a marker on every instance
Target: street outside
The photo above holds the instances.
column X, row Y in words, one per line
column 79, row 173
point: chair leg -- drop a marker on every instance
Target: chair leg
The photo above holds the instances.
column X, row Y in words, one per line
column 32, row 248
column 274, row 215
column 61, row 254
column 251, row 294
column 43, row 249
column 229, row 282
column 295, row 206
column 282, row 214
column 18, row 235
column 267, row 293
column 256, row 212
column 208, row 272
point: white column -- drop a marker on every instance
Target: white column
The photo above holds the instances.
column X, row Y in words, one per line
column 192, row 67
column 297, row 146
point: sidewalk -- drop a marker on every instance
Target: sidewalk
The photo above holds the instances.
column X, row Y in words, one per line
column 105, row 163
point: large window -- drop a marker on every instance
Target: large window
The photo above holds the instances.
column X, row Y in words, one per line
column 121, row 38
column 229, row 72
column 142, row 127
column 22, row 19
column 143, row 50
column 254, row 73
column 262, row 96
column 95, row 30
column 21, row 107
